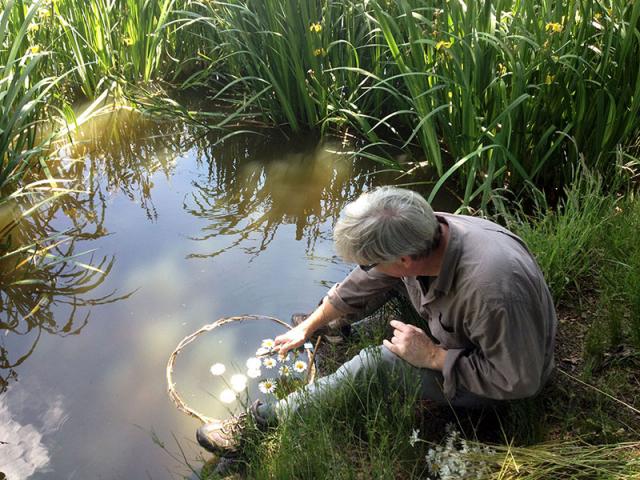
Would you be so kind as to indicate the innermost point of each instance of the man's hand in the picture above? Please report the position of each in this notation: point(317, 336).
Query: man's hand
point(414, 346)
point(291, 339)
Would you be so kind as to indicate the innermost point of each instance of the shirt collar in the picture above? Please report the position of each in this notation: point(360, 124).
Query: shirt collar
point(443, 282)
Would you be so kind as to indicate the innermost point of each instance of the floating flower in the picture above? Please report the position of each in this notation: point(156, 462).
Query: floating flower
point(35, 49)
point(268, 343)
point(299, 366)
point(238, 382)
point(217, 369)
point(267, 386)
point(284, 371)
point(442, 44)
point(319, 52)
point(315, 27)
point(269, 362)
point(413, 439)
point(227, 396)
point(554, 27)
point(253, 363)
point(128, 41)
point(254, 373)
point(549, 79)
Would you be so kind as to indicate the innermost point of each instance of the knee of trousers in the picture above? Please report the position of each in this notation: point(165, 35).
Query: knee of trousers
point(374, 358)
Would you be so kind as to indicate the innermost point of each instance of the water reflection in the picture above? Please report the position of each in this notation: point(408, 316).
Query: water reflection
point(243, 192)
point(121, 152)
point(255, 186)
point(22, 448)
point(263, 202)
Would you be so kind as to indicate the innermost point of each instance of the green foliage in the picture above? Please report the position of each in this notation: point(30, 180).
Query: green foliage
point(623, 271)
point(489, 94)
point(567, 241)
point(364, 426)
point(22, 97)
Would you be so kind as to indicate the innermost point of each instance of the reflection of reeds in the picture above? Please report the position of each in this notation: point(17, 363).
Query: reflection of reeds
point(39, 276)
point(246, 196)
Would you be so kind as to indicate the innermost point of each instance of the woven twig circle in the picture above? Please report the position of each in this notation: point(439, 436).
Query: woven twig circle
point(171, 386)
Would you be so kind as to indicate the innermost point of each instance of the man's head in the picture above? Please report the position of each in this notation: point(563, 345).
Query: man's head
point(385, 224)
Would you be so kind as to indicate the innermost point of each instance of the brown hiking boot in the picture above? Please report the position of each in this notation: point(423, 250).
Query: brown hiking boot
point(226, 436)
point(222, 437)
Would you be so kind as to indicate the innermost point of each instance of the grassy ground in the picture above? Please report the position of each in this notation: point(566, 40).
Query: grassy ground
point(586, 422)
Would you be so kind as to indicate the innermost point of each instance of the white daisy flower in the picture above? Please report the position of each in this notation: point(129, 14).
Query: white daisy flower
point(227, 396)
point(284, 371)
point(267, 386)
point(299, 366)
point(217, 369)
point(268, 343)
point(254, 373)
point(253, 363)
point(269, 362)
point(238, 382)
point(284, 359)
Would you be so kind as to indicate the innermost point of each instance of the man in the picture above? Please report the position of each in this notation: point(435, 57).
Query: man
point(490, 316)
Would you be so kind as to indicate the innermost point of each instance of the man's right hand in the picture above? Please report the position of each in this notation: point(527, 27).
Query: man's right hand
point(296, 337)
point(291, 339)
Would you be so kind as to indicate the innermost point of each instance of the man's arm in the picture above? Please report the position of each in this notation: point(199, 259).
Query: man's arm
point(321, 316)
point(359, 293)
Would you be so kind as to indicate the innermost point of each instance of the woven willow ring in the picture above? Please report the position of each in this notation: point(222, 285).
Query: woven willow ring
point(171, 387)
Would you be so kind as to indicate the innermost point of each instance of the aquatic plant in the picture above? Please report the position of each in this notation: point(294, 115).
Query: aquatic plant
point(486, 95)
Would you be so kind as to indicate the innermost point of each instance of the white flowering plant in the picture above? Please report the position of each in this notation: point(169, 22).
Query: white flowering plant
point(276, 375)
point(455, 459)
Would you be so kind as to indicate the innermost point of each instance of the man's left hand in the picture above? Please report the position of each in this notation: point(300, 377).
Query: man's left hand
point(414, 346)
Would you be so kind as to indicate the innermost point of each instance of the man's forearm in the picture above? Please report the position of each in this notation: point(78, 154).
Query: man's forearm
point(321, 316)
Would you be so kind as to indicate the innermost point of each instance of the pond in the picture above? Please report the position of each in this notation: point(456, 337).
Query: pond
point(187, 231)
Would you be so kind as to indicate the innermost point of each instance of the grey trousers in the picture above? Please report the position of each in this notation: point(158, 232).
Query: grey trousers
point(368, 364)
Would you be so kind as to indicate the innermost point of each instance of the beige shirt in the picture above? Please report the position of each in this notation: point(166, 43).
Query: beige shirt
point(489, 307)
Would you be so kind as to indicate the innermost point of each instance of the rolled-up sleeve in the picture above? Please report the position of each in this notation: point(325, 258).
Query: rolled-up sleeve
point(362, 292)
point(508, 362)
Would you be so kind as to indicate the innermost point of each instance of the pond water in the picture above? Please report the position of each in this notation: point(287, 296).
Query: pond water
point(186, 232)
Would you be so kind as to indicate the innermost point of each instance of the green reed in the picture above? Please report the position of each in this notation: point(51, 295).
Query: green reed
point(485, 94)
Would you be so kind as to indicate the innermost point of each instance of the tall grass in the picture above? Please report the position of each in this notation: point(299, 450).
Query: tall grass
point(567, 240)
point(485, 94)
point(22, 96)
point(482, 95)
point(362, 427)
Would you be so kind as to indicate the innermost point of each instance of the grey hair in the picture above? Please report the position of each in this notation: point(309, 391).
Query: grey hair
point(385, 224)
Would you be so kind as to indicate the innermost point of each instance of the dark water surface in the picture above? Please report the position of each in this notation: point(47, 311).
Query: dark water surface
point(186, 233)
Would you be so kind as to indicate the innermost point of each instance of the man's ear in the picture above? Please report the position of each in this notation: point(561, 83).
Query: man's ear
point(406, 260)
